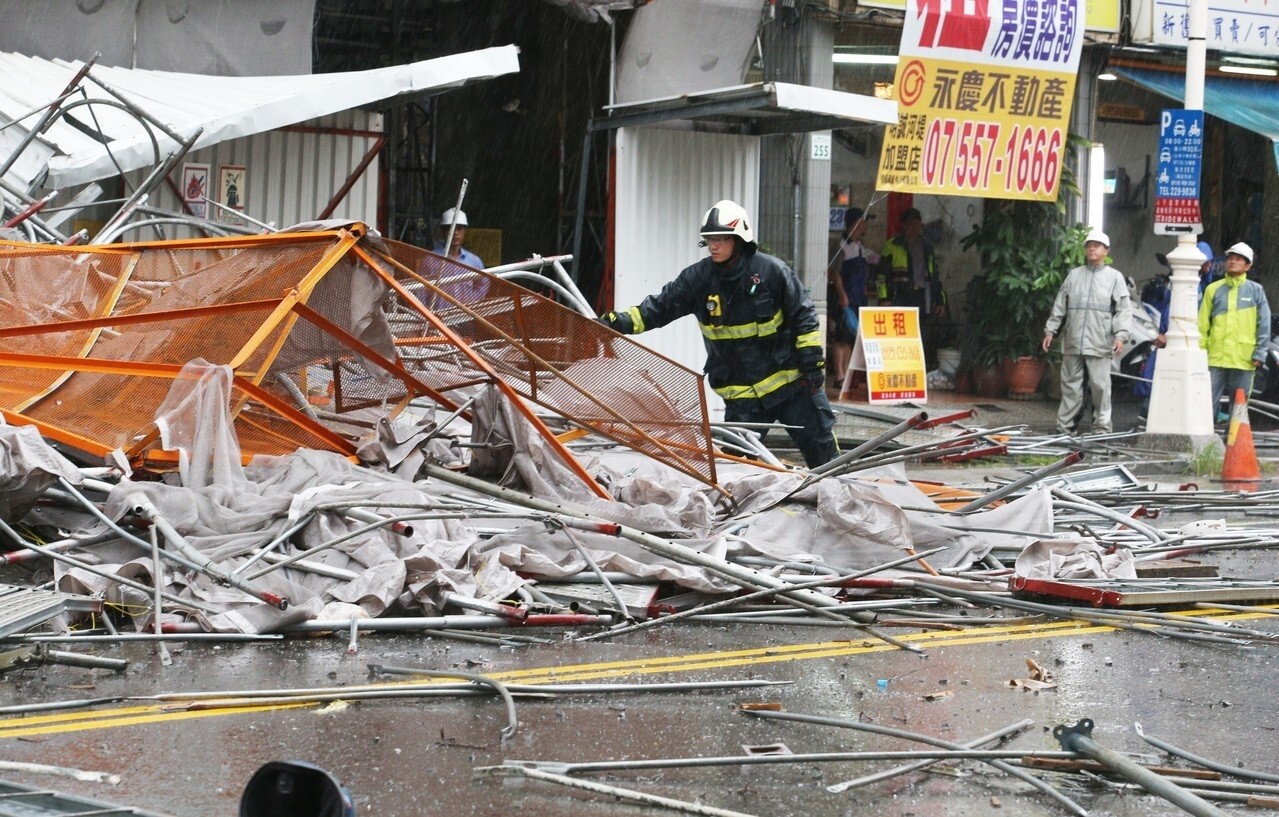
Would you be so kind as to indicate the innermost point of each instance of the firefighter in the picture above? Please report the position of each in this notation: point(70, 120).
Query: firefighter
point(764, 350)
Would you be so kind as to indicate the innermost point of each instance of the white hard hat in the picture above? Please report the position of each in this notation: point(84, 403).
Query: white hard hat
point(446, 218)
point(1241, 249)
point(728, 218)
point(1099, 237)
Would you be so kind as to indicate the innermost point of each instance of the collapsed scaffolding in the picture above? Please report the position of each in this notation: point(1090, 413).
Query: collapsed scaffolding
point(96, 356)
point(312, 431)
point(256, 371)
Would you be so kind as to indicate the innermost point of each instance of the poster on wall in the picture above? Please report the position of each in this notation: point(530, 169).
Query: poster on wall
point(983, 98)
point(195, 186)
point(233, 187)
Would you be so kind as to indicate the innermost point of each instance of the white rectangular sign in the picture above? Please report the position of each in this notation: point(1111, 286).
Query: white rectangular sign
point(820, 143)
point(1234, 26)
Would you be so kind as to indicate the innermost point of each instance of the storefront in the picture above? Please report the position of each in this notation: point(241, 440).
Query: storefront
point(1239, 165)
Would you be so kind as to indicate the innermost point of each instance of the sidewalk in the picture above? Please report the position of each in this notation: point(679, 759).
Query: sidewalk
point(1038, 414)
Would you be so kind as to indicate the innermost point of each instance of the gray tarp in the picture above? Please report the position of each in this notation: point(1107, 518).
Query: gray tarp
point(28, 467)
point(1074, 559)
point(846, 524)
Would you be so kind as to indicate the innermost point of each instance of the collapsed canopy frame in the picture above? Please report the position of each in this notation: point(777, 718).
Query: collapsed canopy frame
point(92, 339)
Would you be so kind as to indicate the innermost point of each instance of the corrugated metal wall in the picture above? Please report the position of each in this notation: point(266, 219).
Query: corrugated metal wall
point(666, 180)
point(290, 175)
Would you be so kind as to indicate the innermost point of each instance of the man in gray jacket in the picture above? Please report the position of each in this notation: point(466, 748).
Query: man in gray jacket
point(1094, 305)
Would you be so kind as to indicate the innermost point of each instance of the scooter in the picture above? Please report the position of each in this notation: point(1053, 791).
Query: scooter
point(1265, 383)
point(1142, 333)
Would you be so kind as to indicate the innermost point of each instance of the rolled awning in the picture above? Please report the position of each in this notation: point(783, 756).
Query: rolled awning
point(1248, 103)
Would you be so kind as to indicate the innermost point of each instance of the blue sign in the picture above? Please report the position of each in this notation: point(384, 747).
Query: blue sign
point(1181, 139)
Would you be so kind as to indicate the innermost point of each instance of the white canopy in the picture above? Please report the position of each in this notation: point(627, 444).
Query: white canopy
point(102, 140)
point(759, 109)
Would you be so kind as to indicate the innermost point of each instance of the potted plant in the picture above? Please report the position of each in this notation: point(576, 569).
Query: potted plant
point(986, 353)
point(1026, 250)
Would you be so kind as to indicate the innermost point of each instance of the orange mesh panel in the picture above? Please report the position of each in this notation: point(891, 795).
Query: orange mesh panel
point(38, 287)
point(263, 431)
point(111, 409)
point(237, 284)
point(553, 356)
point(337, 335)
point(197, 277)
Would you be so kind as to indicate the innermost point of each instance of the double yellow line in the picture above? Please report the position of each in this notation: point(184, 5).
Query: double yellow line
point(131, 715)
point(79, 721)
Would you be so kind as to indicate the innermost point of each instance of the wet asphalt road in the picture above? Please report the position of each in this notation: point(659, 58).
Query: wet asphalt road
point(417, 757)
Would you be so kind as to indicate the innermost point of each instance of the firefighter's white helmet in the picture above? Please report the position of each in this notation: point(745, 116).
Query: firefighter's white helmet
point(728, 218)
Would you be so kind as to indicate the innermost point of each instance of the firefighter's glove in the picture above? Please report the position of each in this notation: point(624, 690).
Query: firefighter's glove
point(617, 321)
point(812, 368)
point(815, 381)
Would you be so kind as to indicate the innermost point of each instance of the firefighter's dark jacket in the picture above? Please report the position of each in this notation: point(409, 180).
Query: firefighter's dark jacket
point(763, 341)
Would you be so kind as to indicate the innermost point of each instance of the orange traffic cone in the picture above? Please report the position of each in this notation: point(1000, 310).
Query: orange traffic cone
point(1240, 469)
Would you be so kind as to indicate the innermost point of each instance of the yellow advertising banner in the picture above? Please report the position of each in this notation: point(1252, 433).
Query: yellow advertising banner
point(983, 95)
point(890, 344)
point(977, 130)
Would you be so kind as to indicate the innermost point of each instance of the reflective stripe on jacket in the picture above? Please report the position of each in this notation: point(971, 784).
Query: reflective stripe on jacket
point(1092, 310)
point(758, 324)
point(1234, 322)
point(901, 277)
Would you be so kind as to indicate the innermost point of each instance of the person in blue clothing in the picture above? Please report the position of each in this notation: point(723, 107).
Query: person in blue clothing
point(456, 251)
point(850, 276)
point(1163, 303)
point(466, 287)
point(1211, 269)
point(764, 351)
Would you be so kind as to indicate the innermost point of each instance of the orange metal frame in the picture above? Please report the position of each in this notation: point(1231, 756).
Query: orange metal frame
point(542, 429)
point(548, 366)
point(137, 318)
point(272, 329)
point(371, 355)
point(346, 240)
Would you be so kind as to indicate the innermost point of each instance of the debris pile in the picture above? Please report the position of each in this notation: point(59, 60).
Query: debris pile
point(227, 388)
point(247, 439)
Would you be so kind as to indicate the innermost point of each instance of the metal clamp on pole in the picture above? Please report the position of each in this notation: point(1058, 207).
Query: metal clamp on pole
point(1078, 738)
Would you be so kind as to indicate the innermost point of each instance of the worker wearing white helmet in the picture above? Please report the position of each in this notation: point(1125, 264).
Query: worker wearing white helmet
point(1093, 313)
point(464, 285)
point(764, 351)
point(1234, 326)
point(457, 220)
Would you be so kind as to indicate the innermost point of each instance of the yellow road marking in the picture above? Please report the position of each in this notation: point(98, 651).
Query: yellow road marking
point(695, 662)
point(112, 718)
